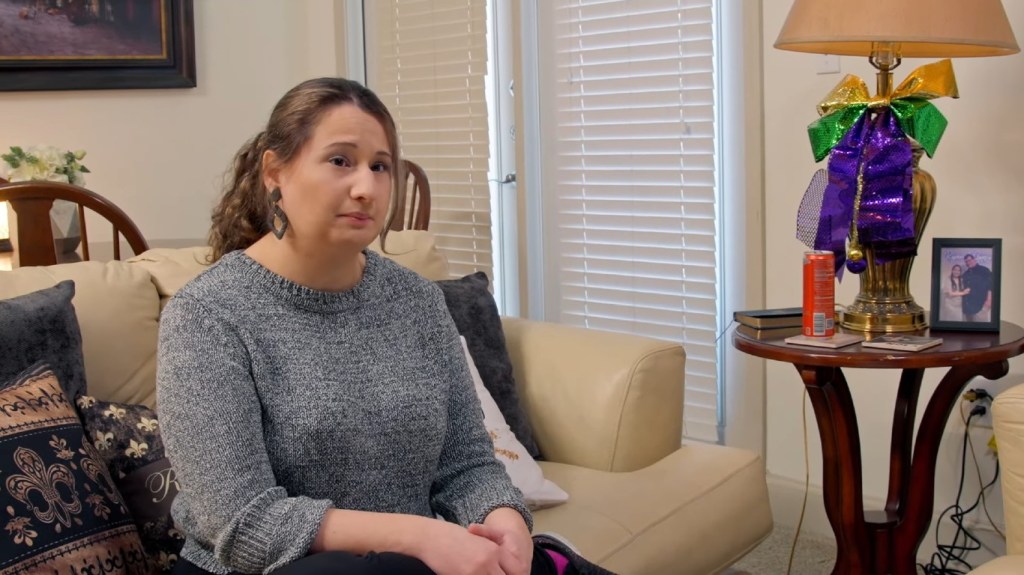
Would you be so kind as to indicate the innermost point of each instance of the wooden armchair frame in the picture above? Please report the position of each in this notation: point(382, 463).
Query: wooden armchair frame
point(412, 199)
point(32, 201)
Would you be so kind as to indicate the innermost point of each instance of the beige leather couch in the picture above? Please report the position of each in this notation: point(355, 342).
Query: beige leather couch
point(607, 410)
point(1008, 420)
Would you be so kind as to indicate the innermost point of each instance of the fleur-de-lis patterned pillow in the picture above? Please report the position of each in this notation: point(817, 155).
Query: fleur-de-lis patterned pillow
point(127, 438)
point(60, 510)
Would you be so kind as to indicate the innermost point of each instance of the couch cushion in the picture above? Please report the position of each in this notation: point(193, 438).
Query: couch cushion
point(117, 311)
point(663, 527)
point(41, 326)
point(127, 437)
point(172, 268)
point(62, 513)
point(472, 307)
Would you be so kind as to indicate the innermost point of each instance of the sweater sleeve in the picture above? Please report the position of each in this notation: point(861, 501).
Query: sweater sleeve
point(470, 481)
point(211, 422)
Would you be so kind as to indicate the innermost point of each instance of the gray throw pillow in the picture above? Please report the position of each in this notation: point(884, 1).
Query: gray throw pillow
point(472, 307)
point(42, 326)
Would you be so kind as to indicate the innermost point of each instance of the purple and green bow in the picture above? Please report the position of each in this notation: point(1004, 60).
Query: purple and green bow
point(870, 169)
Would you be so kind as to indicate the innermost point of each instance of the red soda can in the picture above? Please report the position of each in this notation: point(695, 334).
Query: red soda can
point(819, 293)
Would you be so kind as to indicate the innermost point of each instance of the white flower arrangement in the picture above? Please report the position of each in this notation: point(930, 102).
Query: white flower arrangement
point(46, 163)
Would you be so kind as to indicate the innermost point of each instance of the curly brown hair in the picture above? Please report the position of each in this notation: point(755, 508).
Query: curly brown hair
point(242, 215)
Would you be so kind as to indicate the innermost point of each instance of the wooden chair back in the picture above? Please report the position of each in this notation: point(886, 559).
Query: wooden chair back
point(32, 201)
point(412, 198)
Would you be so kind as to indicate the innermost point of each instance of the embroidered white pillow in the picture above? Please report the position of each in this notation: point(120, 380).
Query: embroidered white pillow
point(524, 471)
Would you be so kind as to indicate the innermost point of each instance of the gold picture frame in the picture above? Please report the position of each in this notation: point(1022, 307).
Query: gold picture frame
point(96, 44)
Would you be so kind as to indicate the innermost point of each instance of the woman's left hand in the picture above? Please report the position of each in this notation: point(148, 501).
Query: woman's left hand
point(506, 527)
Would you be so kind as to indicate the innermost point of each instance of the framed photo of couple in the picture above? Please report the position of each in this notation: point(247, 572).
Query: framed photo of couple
point(965, 284)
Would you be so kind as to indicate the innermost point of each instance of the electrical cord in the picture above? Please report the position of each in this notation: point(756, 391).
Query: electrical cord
point(947, 558)
point(723, 332)
point(977, 470)
point(807, 485)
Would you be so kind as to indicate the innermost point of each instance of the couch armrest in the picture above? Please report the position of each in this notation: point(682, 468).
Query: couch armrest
point(602, 400)
point(1008, 420)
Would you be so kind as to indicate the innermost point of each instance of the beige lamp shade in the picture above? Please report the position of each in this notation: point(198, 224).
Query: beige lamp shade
point(921, 28)
point(5, 232)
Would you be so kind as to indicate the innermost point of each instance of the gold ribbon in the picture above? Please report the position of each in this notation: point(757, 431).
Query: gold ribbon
point(935, 80)
point(918, 118)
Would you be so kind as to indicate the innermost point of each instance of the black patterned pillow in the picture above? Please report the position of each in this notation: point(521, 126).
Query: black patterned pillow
point(127, 438)
point(42, 326)
point(60, 512)
point(472, 307)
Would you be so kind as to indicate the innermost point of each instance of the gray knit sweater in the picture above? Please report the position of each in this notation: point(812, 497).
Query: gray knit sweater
point(278, 401)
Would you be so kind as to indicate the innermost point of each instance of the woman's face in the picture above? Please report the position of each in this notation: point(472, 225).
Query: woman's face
point(336, 190)
point(956, 271)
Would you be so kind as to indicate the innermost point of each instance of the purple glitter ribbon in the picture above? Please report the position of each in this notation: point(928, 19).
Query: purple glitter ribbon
point(886, 219)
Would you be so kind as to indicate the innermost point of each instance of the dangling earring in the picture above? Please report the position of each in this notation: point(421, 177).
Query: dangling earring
point(277, 214)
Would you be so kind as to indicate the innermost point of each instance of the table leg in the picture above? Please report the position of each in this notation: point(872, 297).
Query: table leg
point(840, 449)
point(901, 448)
point(888, 544)
point(903, 438)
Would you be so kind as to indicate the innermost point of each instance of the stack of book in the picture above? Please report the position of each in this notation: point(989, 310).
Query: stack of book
point(769, 323)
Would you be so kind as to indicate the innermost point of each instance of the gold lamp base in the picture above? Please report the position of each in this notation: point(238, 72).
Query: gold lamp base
point(884, 304)
point(884, 317)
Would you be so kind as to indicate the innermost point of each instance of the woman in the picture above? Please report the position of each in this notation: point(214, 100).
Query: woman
point(953, 295)
point(314, 397)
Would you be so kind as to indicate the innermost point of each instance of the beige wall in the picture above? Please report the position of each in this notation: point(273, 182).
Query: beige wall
point(160, 154)
point(979, 173)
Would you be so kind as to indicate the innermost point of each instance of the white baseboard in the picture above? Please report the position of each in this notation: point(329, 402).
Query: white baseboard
point(787, 497)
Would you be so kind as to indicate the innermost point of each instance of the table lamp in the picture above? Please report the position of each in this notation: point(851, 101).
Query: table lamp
point(874, 200)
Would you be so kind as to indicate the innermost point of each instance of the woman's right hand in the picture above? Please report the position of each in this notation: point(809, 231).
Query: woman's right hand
point(450, 549)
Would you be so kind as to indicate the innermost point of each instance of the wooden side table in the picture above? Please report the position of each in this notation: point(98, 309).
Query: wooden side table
point(886, 541)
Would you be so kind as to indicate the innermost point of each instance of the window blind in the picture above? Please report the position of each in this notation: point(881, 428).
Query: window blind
point(427, 60)
point(629, 178)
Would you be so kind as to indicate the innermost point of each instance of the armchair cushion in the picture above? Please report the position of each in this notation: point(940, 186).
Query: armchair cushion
point(476, 316)
point(694, 512)
point(42, 326)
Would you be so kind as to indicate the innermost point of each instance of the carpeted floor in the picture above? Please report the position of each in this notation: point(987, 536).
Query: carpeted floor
point(815, 555)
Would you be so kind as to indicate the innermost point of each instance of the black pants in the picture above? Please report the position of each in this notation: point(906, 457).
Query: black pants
point(342, 563)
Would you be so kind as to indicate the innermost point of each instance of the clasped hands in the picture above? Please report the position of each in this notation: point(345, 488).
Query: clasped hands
point(501, 545)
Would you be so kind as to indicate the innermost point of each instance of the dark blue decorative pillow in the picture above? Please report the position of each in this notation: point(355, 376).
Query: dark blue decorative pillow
point(60, 512)
point(127, 438)
point(42, 326)
point(472, 307)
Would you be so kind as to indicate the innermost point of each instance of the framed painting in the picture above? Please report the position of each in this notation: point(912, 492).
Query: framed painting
point(96, 44)
point(965, 284)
